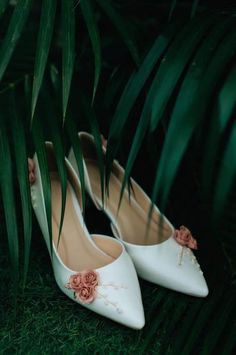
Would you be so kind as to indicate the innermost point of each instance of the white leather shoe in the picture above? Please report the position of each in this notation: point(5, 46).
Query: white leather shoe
point(94, 271)
point(161, 254)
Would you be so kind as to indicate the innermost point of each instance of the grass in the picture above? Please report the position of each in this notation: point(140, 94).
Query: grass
point(47, 322)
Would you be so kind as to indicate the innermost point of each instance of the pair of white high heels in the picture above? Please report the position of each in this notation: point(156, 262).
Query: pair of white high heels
point(100, 272)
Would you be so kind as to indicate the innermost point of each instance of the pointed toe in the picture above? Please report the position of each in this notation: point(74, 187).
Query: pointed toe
point(169, 265)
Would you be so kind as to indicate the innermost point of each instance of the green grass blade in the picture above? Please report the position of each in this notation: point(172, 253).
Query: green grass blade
point(163, 311)
point(206, 312)
point(40, 148)
point(43, 45)
point(194, 8)
point(172, 9)
point(75, 143)
point(122, 27)
point(68, 50)
point(186, 323)
point(132, 91)
point(91, 23)
point(8, 199)
point(226, 175)
point(21, 162)
point(169, 327)
point(174, 63)
point(218, 325)
point(229, 343)
point(188, 121)
point(14, 31)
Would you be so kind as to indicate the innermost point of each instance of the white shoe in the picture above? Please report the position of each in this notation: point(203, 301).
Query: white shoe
point(94, 271)
point(161, 254)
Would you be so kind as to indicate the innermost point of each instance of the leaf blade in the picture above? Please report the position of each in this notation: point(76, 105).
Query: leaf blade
point(131, 92)
point(91, 23)
point(19, 145)
point(121, 27)
point(43, 45)
point(14, 31)
point(39, 143)
point(68, 50)
point(167, 168)
point(7, 191)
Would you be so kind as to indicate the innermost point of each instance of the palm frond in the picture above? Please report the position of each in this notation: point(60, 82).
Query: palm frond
point(39, 143)
point(68, 50)
point(20, 158)
point(8, 200)
point(44, 41)
point(91, 23)
point(226, 175)
point(132, 91)
point(122, 27)
point(14, 31)
point(194, 8)
point(190, 118)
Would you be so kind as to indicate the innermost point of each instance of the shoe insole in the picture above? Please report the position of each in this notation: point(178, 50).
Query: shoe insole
point(131, 218)
point(75, 250)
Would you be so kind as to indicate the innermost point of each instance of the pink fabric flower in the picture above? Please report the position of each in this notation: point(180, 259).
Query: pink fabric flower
point(84, 285)
point(86, 294)
point(31, 168)
point(90, 278)
point(75, 282)
point(184, 237)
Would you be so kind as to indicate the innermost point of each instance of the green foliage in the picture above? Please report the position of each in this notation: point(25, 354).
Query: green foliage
point(172, 77)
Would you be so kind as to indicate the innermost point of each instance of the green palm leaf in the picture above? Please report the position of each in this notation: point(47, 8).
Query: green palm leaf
point(68, 50)
point(194, 8)
point(39, 143)
point(19, 145)
point(172, 9)
point(91, 23)
point(174, 63)
point(144, 119)
point(122, 27)
point(43, 45)
point(14, 31)
point(131, 93)
point(52, 122)
point(226, 175)
point(8, 199)
point(221, 116)
point(189, 120)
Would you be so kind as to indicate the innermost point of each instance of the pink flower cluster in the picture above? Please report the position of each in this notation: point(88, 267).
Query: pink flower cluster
point(84, 285)
point(184, 237)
